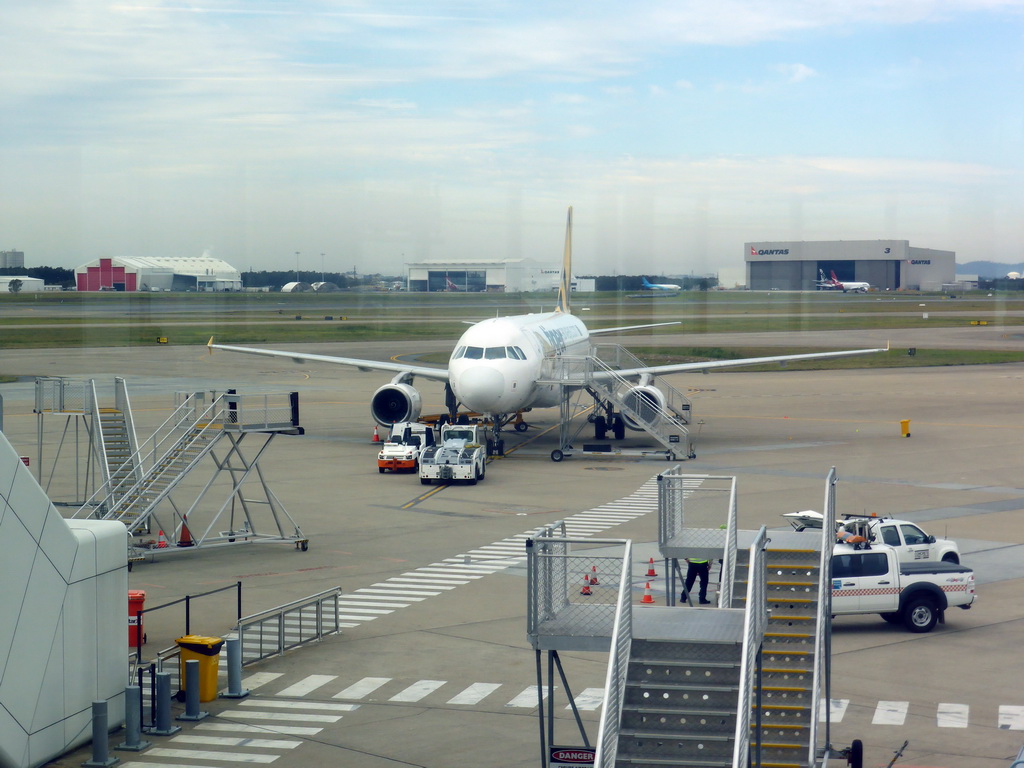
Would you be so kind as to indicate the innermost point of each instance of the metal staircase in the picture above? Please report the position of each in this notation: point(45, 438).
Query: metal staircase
point(643, 403)
point(197, 433)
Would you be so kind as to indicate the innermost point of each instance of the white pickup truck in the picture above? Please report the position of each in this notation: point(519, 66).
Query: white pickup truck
point(909, 540)
point(871, 579)
point(459, 456)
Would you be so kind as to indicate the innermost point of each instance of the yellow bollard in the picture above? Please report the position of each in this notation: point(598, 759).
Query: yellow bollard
point(904, 427)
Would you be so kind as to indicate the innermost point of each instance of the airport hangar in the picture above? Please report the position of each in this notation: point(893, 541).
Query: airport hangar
point(158, 273)
point(888, 265)
point(492, 275)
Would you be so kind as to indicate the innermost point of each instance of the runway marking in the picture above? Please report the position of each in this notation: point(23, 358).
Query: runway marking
point(528, 698)
point(952, 716)
point(199, 754)
point(418, 690)
point(363, 688)
point(835, 709)
point(306, 685)
point(1011, 717)
point(890, 713)
point(474, 694)
point(589, 699)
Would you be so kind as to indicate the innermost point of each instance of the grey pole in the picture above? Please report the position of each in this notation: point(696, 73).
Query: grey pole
point(235, 690)
point(163, 706)
point(133, 721)
point(100, 753)
point(192, 692)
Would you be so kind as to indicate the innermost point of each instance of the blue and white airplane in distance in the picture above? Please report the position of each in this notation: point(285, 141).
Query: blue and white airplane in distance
point(649, 286)
point(503, 366)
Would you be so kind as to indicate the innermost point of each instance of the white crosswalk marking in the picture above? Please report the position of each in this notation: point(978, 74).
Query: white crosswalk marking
point(952, 715)
point(418, 690)
point(890, 713)
point(258, 679)
point(279, 704)
point(528, 698)
point(836, 709)
point(301, 717)
point(589, 700)
point(307, 685)
point(363, 688)
point(199, 754)
point(474, 694)
point(265, 730)
point(383, 587)
point(1011, 717)
point(236, 741)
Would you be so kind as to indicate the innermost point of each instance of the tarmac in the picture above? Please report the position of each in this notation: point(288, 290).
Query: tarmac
point(441, 673)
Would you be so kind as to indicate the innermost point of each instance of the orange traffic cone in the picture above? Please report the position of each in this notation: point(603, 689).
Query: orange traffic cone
point(586, 586)
point(650, 569)
point(593, 575)
point(376, 435)
point(185, 537)
point(648, 598)
point(161, 541)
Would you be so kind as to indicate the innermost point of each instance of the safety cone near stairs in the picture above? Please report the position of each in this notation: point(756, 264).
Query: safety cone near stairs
point(376, 435)
point(650, 569)
point(161, 541)
point(185, 538)
point(586, 586)
point(648, 597)
point(593, 575)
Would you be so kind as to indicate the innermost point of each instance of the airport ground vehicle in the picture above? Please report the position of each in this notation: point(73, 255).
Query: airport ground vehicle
point(869, 578)
point(460, 455)
point(910, 541)
point(401, 451)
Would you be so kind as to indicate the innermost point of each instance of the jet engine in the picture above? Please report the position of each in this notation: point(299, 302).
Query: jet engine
point(648, 402)
point(395, 402)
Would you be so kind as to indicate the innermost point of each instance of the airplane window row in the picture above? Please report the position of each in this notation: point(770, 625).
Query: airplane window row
point(490, 353)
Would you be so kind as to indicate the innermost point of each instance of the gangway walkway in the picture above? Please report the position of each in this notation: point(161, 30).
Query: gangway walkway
point(155, 499)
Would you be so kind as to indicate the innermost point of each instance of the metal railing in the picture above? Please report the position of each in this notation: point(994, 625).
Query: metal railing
point(754, 624)
point(821, 687)
point(618, 669)
point(276, 630)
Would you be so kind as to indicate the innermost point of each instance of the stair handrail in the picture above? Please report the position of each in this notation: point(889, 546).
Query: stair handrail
point(755, 622)
point(166, 463)
point(99, 448)
point(618, 668)
point(821, 684)
point(123, 403)
point(144, 458)
point(727, 576)
point(621, 381)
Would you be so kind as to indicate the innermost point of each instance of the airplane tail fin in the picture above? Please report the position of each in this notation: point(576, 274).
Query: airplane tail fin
point(565, 283)
point(647, 283)
point(834, 278)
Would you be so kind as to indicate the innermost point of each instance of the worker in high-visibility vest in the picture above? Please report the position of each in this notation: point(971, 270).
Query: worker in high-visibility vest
point(698, 568)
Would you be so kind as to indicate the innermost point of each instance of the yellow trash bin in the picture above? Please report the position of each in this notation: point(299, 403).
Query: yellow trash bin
point(205, 650)
point(905, 427)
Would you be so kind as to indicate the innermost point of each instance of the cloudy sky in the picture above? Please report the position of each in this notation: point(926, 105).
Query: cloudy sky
point(376, 133)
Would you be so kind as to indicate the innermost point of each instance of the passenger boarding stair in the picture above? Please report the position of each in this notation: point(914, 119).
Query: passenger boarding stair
point(156, 500)
point(647, 404)
point(118, 448)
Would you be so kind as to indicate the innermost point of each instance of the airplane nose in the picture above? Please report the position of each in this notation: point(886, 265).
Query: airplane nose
point(480, 389)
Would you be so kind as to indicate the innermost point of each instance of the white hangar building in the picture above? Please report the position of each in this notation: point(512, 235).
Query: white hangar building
point(888, 265)
point(497, 275)
point(158, 273)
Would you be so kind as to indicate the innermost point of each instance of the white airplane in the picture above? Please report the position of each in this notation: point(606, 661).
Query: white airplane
point(848, 285)
point(505, 365)
point(648, 286)
point(824, 283)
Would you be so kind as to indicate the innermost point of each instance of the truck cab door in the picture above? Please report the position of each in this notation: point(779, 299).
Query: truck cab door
point(845, 594)
point(916, 543)
point(877, 584)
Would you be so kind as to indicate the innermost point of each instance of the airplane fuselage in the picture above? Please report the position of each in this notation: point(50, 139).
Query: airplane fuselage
point(498, 364)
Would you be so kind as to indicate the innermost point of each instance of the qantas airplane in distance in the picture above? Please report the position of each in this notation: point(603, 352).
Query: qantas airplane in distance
point(648, 286)
point(849, 285)
point(505, 365)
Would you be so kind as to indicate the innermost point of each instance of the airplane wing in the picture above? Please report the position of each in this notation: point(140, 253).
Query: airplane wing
point(440, 374)
point(657, 370)
point(605, 331)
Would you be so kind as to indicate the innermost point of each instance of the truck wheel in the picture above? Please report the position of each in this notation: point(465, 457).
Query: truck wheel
point(950, 557)
point(425, 481)
point(483, 471)
point(920, 615)
point(857, 754)
point(556, 455)
point(892, 618)
point(381, 470)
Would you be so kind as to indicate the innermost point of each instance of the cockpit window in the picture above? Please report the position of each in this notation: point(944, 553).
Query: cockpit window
point(474, 353)
point(494, 353)
point(516, 353)
point(458, 353)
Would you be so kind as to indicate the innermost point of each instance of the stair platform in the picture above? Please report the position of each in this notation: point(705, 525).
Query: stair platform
point(688, 625)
